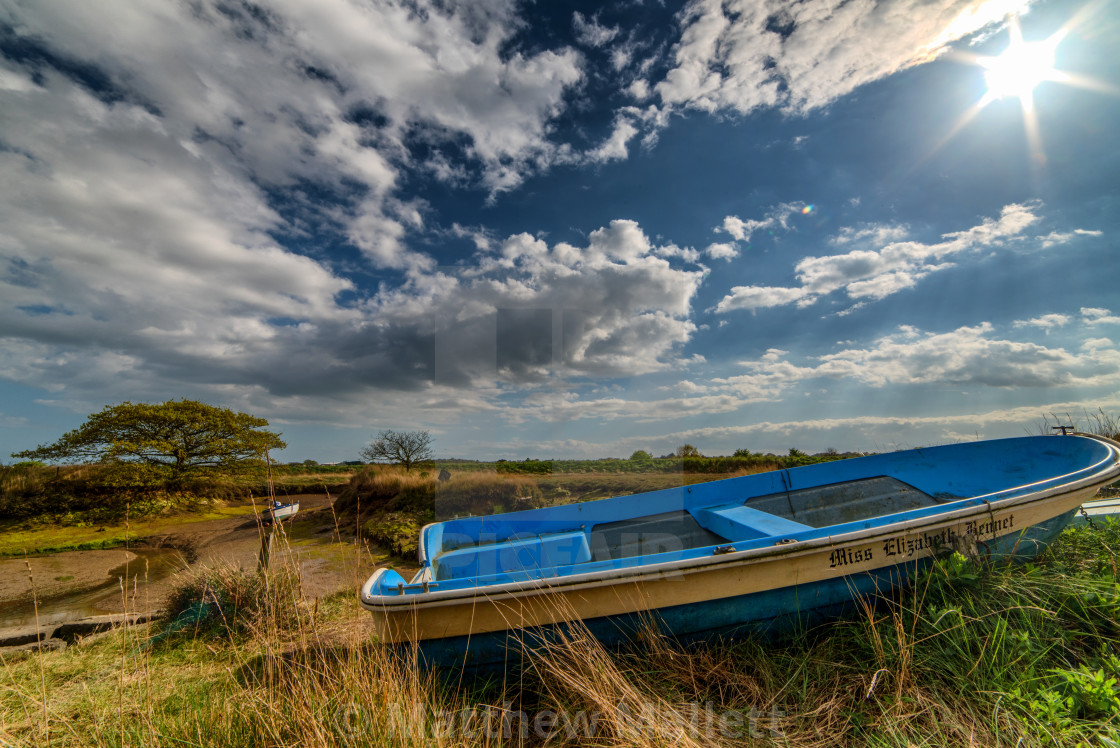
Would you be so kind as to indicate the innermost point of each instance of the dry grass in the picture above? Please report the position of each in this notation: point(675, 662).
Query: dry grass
point(970, 656)
point(486, 493)
point(280, 671)
point(1100, 423)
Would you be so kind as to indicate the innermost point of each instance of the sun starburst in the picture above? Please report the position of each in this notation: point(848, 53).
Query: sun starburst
point(1016, 73)
point(1021, 67)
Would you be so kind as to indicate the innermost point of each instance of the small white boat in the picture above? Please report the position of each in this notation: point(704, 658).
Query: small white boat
point(279, 512)
point(759, 552)
point(1101, 511)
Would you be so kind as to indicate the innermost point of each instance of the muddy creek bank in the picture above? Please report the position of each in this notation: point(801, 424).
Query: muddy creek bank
point(77, 584)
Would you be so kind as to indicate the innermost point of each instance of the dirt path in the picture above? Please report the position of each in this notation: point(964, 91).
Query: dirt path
point(237, 539)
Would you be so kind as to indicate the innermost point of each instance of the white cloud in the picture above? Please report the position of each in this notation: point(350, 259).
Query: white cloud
point(1046, 322)
point(880, 432)
point(722, 251)
point(740, 55)
point(1055, 238)
point(557, 407)
point(873, 431)
point(1098, 344)
point(740, 229)
point(638, 90)
point(688, 254)
point(870, 234)
point(590, 32)
point(876, 273)
point(971, 356)
point(965, 356)
point(14, 422)
point(758, 297)
point(1098, 316)
point(156, 231)
point(777, 217)
point(295, 98)
point(614, 148)
point(526, 312)
point(482, 239)
point(141, 214)
point(613, 307)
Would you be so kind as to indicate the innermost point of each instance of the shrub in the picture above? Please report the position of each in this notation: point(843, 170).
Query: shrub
point(232, 600)
point(396, 532)
point(486, 493)
point(383, 488)
point(392, 505)
point(389, 489)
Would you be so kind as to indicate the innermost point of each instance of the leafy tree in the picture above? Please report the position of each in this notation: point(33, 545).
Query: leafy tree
point(641, 454)
point(687, 450)
point(402, 447)
point(181, 436)
point(797, 457)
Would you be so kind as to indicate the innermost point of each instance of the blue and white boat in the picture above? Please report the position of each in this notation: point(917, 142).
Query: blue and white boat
point(759, 551)
point(280, 511)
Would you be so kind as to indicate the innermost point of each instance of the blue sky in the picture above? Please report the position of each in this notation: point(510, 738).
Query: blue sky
point(562, 229)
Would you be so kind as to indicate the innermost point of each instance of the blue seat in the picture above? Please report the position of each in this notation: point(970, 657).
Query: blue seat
point(738, 522)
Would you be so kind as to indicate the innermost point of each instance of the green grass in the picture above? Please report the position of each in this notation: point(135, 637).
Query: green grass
point(991, 655)
point(39, 537)
point(742, 461)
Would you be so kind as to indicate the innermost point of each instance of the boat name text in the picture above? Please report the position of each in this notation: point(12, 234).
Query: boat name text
point(908, 546)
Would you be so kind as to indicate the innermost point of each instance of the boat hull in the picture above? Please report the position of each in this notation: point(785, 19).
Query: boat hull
point(762, 589)
point(279, 514)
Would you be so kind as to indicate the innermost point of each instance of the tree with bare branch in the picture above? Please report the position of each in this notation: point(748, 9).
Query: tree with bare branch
point(400, 447)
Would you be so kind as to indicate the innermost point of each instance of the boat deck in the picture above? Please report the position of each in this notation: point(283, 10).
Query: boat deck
point(768, 518)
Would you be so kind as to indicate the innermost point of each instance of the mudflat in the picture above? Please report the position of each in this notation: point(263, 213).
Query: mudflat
point(58, 574)
point(138, 579)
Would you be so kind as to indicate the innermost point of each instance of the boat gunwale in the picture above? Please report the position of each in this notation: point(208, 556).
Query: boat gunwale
point(981, 504)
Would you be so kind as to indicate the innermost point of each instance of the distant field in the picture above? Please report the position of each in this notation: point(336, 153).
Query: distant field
point(573, 480)
point(101, 493)
point(560, 488)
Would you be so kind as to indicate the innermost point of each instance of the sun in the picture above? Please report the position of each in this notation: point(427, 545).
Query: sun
point(1017, 72)
point(1021, 67)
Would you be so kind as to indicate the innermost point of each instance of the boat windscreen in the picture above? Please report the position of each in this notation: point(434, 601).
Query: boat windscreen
point(851, 501)
point(654, 533)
